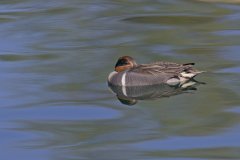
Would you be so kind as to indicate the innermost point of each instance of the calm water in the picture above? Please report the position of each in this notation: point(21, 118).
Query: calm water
point(54, 60)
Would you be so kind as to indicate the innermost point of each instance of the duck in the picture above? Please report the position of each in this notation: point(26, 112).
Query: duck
point(128, 73)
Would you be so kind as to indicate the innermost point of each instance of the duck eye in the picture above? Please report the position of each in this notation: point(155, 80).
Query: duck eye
point(122, 62)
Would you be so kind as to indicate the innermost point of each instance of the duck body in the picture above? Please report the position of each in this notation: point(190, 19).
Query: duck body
point(129, 73)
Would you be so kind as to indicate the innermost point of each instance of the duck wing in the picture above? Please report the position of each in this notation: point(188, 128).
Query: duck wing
point(160, 68)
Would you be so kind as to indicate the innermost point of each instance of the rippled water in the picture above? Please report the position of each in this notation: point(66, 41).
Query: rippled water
point(54, 60)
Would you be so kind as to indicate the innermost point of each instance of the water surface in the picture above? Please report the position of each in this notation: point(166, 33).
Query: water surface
point(55, 57)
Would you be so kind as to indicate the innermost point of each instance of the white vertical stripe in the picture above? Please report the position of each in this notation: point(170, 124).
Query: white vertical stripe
point(124, 91)
point(123, 79)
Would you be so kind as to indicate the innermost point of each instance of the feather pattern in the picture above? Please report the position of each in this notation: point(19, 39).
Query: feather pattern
point(157, 68)
point(133, 74)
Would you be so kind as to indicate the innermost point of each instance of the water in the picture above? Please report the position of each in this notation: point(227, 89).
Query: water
point(55, 57)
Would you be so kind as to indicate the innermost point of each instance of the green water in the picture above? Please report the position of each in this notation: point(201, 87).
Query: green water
point(55, 57)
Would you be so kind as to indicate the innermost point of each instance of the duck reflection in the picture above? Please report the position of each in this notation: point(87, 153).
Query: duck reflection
point(130, 95)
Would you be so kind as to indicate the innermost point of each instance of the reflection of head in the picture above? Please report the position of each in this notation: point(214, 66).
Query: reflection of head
point(126, 101)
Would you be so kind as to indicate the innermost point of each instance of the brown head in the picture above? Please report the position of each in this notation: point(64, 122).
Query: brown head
point(124, 63)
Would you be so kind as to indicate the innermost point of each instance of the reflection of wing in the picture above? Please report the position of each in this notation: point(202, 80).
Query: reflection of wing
point(130, 95)
point(157, 68)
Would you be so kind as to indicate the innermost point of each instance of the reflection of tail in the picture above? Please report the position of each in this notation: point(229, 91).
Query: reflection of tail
point(198, 82)
point(191, 84)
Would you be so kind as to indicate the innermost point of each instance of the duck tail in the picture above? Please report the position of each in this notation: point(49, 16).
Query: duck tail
point(188, 64)
point(191, 73)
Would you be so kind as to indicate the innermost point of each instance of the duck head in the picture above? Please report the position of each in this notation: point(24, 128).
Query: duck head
point(125, 63)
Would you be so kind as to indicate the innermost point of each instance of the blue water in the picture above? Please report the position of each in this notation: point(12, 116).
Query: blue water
point(55, 57)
